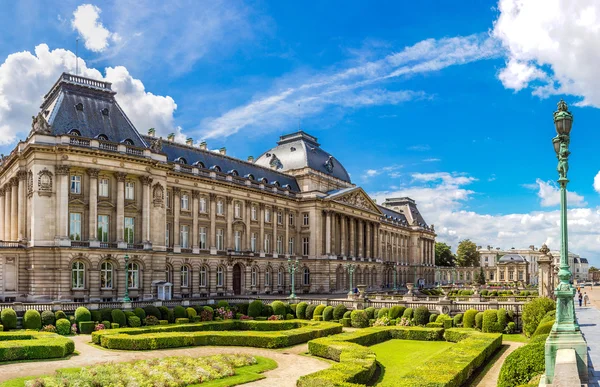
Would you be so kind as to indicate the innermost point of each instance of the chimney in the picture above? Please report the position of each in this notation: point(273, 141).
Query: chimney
point(250, 159)
point(151, 132)
point(223, 151)
point(203, 145)
point(171, 137)
point(189, 141)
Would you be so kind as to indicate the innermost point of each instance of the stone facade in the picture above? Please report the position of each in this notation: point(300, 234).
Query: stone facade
point(85, 191)
point(510, 268)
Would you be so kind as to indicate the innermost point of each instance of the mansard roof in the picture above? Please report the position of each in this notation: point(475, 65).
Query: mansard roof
point(392, 215)
point(87, 107)
point(415, 214)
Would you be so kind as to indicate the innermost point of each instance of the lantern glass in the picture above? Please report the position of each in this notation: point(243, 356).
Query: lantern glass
point(556, 144)
point(563, 125)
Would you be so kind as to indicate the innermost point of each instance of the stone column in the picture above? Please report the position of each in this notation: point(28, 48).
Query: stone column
point(261, 241)
point(62, 203)
point(176, 217)
point(361, 240)
point(274, 223)
point(93, 205)
point(2, 228)
point(343, 235)
point(121, 206)
point(14, 209)
point(248, 220)
point(327, 232)
point(368, 253)
point(352, 249)
point(377, 243)
point(146, 183)
point(213, 223)
point(286, 220)
point(195, 230)
point(229, 217)
point(22, 221)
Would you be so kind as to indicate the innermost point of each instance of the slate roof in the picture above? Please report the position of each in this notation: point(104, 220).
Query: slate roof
point(507, 258)
point(393, 215)
point(414, 211)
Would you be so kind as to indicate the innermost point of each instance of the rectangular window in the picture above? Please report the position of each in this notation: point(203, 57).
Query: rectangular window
point(305, 219)
point(103, 187)
point(167, 239)
point(279, 217)
point(203, 237)
point(129, 229)
point(237, 210)
point(267, 215)
point(238, 241)
point(502, 275)
point(253, 242)
point(220, 207)
point(103, 228)
point(76, 184)
point(75, 226)
point(220, 239)
point(521, 275)
point(279, 244)
point(129, 190)
point(219, 276)
point(168, 199)
point(291, 218)
point(305, 246)
point(253, 212)
point(185, 203)
point(267, 246)
point(183, 236)
point(203, 277)
point(202, 205)
point(291, 246)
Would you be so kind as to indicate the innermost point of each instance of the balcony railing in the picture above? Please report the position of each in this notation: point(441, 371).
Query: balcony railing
point(108, 146)
point(134, 151)
point(10, 244)
point(79, 141)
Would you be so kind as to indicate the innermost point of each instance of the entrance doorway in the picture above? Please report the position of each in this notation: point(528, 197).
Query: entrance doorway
point(237, 279)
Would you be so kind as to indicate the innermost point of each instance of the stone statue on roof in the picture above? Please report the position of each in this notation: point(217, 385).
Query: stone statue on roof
point(156, 145)
point(39, 125)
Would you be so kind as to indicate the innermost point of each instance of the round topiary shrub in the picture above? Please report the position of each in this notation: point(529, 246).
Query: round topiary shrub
point(544, 328)
point(243, 308)
point(442, 317)
point(152, 310)
point(96, 316)
point(328, 313)
point(139, 312)
point(191, 312)
point(408, 313)
point(63, 327)
point(511, 327)
point(339, 311)
point(534, 311)
point(255, 308)
point(469, 318)
point(164, 313)
point(359, 319)
point(48, 318)
point(134, 322)
point(179, 312)
point(479, 320)
point(432, 317)
point(421, 315)
point(523, 364)
point(458, 319)
point(223, 304)
point(118, 317)
point(106, 315)
point(301, 310)
point(279, 308)
point(383, 312)
point(82, 314)
point(370, 311)
point(151, 320)
point(32, 320)
point(267, 311)
point(396, 311)
point(502, 318)
point(319, 310)
point(490, 322)
point(60, 314)
point(347, 314)
point(310, 310)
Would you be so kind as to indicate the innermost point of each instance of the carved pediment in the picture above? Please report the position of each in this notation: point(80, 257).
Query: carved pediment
point(359, 199)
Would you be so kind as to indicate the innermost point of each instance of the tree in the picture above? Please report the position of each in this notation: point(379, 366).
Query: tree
point(443, 255)
point(467, 254)
point(481, 277)
point(592, 269)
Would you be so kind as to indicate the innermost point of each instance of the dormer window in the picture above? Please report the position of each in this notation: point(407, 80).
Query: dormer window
point(102, 137)
point(249, 176)
point(215, 168)
point(79, 107)
point(233, 172)
point(275, 183)
point(74, 132)
point(104, 112)
point(128, 141)
point(199, 164)
point(180, 160)
point(264, 180)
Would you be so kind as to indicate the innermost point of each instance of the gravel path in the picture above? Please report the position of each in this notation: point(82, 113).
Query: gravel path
point(291, 364)
point(490, 378)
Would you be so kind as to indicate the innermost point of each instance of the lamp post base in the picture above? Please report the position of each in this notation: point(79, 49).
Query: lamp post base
point(566, 340)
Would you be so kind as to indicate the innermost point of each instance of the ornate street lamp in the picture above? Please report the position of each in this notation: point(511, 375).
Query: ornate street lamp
point(565, 332)
point(350, 267)
point(126, 297)
point(396, 277)
point(292, 267)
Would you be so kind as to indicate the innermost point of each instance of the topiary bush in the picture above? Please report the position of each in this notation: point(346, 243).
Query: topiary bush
point(301, 310)
point(458, 319)
point(134, 322)
point(370, 311)
point(223, 304)
point(243, 307)
point(164, 313)
point(96, 316)
point(432, 317)
point(408, 313)
point(60, 314)
point(511, 327)
point(139, 312)
point(279, 308)
point(383, 312)
point(255, 308)
point(534, 311)
point(347, 314)
point(48, 318)
point(118, 317)
point(359, 319)
point(490, 322)
point(152, 310)
point(267, 311)
point(479, 320)
point(191, 313)
point(339, 311)
point(544, 328)
point(469, 318)
point(502, 319)
point(523, 364)
point(86, 327)
point(63, 327)
point(106, 314)
point(179, 312)
point(32, 320)
point(310, 310)
point(319, 310)
point(82, 314)
point(171, 316)
point(328, 313)
point(396, 312)
point(151, 320)
point(421, 315)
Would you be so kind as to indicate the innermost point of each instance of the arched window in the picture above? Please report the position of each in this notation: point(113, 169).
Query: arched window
point(133, 280)
point(249, 176)
point(106, 275)
point(78, 275)
point(203, 276)
point(253, 276)
point(128, 141)
point(199, 164)
point(264, 180)
point(280, 276)
point(220, 279)
point(180, 160)
point(306, 277)
point(102, 137)
point(233, 172)
point(215, 168)
point(268, 277)
point(275, 183)
point(74, 132)
point(185, 276)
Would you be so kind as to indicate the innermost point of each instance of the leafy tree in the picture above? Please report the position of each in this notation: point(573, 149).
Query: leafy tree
point(481, 277)
point(443, 255)
point(593, 268)
point(467, 254)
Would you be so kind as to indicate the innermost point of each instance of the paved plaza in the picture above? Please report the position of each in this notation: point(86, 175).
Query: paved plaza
point(589, 321)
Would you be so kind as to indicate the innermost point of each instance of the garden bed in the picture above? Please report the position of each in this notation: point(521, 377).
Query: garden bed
point(262, 334)
point(29, 345)
point(357, 363)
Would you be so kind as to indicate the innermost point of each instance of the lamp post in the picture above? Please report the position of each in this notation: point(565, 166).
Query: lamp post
point(565, 332)
point(126, 297)
point(396, 277)
point(350, 267)
point(292, 267)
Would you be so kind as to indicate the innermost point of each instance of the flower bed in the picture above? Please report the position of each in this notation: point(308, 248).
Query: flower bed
point(245, 333)
point(357, 363)
point(28, 345)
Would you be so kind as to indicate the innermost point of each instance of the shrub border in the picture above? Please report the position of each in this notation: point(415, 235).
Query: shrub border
point(357, 363)
point(29, 345)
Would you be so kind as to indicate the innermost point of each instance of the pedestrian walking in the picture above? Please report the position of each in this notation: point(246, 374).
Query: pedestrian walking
point(586, 299)
point(580, 299)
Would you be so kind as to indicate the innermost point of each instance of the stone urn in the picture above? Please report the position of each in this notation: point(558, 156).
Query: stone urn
point(476, 290)
point(410, 286)
point(362, 291)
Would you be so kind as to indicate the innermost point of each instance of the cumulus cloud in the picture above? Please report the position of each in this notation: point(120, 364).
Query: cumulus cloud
point(25, 77)
point(597, 182)
point(551, 46)
point(86, 21)
point(549, 193)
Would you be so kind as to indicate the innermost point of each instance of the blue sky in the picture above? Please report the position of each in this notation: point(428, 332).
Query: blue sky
point(450, 105)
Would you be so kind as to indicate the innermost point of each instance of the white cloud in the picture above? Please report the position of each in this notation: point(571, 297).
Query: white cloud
point(390, 170)
point(597, 182)
point(450, 179)
point(553, 43)
point(86, 22)
point(353, 87)
point(25, 77)
point(549, 193)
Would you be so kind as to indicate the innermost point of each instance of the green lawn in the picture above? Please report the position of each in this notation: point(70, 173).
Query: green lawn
point(242, 375)
point(397, 357)
point(518, 337)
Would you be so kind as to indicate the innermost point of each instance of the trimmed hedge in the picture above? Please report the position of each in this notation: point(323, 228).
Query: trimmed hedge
point(96, 315)
point(32, 320)
point(396, 311)
point(458, 319)
point(63, 327)
point(249, 333)
point(310, 310)
point(524, 363)
point(164, 313)
point(359, 319)
point(370, 312)
point(106, 314)
point(152, 310)
point(140, 313)
point(328, 313)
point(534, 311)
point(60, 314)
point(134, 321)
point(301, 310)
point(33, 345)
point(48, 318)
point(469, 318)
point(87, 327)
point(383, 312)
point(255, 308)
point(279, 308)
point(182, 320)
point(82, 314)
point(9, 318)
point(421, 315)
point(118, 317)
point(339, 311)
point(319, 310)
point(544, 328)
point(432, 317)
point(191, 313)
point(179, 312)
point(479, 320)
point(490, 322)
point(408, 313)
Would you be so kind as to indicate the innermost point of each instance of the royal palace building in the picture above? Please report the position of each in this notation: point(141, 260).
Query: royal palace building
point(86, 195)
